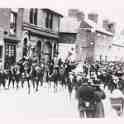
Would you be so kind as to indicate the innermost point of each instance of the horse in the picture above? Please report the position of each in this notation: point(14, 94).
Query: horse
point(26, 74)
point(37, 76)
point(3, 78)
point(62, 75)
point(11, 75)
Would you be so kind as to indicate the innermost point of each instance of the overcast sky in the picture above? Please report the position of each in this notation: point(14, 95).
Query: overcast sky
point(111, 9)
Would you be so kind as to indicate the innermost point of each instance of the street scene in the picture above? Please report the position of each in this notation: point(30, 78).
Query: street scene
point(60, 66)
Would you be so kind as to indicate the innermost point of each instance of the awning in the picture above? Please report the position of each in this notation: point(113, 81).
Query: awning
point(12, 39)
point(38, 31)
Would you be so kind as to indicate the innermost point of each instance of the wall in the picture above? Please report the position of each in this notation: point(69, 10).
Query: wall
point(83, 48)
point(81, 43)
point(102, 46)
point(55, 23)
point(64, 49)
point(26, 15)
point(4, 18)
point(4, 26)
point(117, 53)
point(41, 18)
point(67, 38)
point(19, 23)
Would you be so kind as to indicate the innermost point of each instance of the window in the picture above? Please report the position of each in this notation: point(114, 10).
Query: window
point(1, 49)
point(13, 22)
point(49, 20)
point(33, 16)
point(100, 58)
point(10, 54)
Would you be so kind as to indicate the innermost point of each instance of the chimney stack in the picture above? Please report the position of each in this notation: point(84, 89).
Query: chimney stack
point(80, 16)
point(93, 17)
point(75, 13)
point(105, 24)
point(109, 26)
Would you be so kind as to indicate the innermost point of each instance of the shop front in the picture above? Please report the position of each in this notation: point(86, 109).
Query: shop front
point(43, 48)
point(10, 52)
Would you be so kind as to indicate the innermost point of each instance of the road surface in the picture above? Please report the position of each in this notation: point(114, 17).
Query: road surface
point(44, 104)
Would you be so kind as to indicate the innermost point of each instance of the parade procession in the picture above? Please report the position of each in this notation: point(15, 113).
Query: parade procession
point(44, 51)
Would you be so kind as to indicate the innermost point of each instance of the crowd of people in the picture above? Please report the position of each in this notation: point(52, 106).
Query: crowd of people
point(31, 73)
point(64, 72)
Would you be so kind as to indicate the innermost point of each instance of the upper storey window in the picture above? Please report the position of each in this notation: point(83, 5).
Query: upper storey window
point(33, 16)
point(49, 20)
point(13, 21)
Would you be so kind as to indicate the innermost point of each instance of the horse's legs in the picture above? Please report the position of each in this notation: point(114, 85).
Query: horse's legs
point(47, 77)
point(28, 83)
point(37, 84)
point(17, 83)
point(41, 80)
point(33, 82)
point(28, 86)
point(22, 83)
point(13, 81)
point(55, 85)
point(9, 81)
point(4, 83)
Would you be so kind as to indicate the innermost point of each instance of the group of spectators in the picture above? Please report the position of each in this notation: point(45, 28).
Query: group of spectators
point(111, 74)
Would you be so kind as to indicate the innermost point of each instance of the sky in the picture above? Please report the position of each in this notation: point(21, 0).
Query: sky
point(110, 9)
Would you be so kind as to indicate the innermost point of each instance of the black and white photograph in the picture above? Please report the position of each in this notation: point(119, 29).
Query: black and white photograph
point(62, 60)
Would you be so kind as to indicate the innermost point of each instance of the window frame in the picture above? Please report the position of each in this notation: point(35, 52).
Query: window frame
point(49, 20)
point(14, 22)
point(33, 15)
point(1, 52)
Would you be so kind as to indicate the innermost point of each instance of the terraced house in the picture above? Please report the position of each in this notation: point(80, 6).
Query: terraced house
point(28, 32)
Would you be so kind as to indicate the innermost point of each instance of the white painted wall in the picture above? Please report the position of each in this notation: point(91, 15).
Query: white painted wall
point(64, 49)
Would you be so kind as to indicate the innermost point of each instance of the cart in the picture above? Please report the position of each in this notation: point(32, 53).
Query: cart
point(118, 105)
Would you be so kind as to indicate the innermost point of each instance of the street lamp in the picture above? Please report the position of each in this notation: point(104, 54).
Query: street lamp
point(92, 43)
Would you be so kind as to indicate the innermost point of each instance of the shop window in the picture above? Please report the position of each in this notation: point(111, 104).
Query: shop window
point(13, 22)
point(33, 16)
point(10, 54)
point(49, 20)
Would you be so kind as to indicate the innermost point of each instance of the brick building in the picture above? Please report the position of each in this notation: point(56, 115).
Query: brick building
point(93, 41)
point(10, 26)
point(41, 33)
point(68, 33)
point(28, 32)
point(117, 48)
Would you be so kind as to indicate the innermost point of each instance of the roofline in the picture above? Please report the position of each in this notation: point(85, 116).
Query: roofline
point(51, 11)
point(117, 45)
point(68, 32)
point(105, 33)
